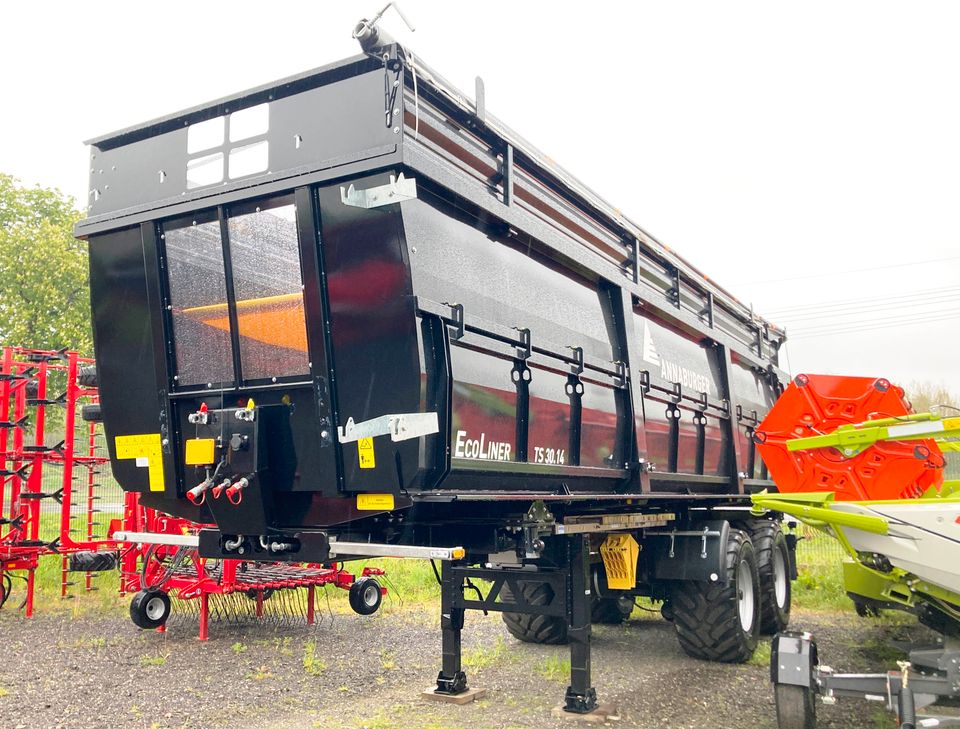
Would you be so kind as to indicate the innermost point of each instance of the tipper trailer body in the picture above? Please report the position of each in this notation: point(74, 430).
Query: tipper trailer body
point(351, 313)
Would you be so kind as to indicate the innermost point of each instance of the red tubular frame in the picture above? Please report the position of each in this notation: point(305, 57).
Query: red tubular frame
point(20, 545)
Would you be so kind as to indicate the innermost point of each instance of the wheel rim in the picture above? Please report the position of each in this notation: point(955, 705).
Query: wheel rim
point(745, 596)
point(370, 595)
point(155, 608)
point(780, 579)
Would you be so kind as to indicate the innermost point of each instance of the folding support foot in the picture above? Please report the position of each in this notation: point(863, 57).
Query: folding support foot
point(455, 684)
point(580, 703)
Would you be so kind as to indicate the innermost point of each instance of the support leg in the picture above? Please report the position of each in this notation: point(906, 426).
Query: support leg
point(581, 697)
point(310, 606)
point(31, 584)
point(452, 679)
point(204, 615)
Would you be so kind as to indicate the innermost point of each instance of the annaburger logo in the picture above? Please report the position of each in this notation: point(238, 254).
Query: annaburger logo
point(670, 371)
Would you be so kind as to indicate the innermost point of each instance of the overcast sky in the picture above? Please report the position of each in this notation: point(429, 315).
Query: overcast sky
point(804, 155)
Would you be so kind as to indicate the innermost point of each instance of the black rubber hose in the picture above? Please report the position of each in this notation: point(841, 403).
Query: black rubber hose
point(906, 708)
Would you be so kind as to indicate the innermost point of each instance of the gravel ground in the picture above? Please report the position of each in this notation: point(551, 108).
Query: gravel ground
point(100, 671)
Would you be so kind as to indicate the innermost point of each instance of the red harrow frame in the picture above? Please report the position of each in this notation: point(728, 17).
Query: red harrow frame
point(26, 456)
point(166, 564)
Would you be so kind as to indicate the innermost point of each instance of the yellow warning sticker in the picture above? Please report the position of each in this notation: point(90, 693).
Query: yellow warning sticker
point(199, 452)
point(374, 502)
point(147, 450)
point(365, 453)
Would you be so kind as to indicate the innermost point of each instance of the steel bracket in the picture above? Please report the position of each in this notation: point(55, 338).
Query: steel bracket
point(398, 190)
point(401, 426)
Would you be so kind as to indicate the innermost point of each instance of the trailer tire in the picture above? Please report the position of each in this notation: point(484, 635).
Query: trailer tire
point(365, 596)
point(544, 629)
point(796, 707)
point(91, 413)
point(87, 375)
point(610, 610)
point(150, 609)
point(773, 565)
point(720, 621)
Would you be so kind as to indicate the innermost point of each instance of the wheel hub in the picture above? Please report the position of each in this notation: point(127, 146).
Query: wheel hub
point(745, 596)
point(154, 608)
point(780, 578)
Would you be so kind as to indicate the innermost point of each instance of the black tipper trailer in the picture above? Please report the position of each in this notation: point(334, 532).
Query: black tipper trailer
point(350, 313)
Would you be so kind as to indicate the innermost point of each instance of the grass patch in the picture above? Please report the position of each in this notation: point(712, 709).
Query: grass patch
point(881, 651)
point(882, 719)
point(388, 660)
point(761, 656)
point(819, 586)
point(485, 656)
point(157, 660)
point(261, 674)
point(313, 664)
point(554, 668)
point(238, 648)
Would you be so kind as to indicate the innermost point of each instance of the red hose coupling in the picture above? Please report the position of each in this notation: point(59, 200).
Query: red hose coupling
point(217, 490)
point(233, 493)
point(196, 494)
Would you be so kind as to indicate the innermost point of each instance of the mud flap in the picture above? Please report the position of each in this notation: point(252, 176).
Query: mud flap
point(793, 659)
point(696, 553)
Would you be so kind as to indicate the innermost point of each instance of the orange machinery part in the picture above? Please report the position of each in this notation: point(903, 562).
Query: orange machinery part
point(819, 404)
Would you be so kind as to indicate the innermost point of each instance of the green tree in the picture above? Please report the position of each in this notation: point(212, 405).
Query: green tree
point(927, 397)
point(44, 280)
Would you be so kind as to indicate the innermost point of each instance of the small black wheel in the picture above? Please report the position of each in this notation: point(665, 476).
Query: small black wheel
point(796, 707)
point(150, 609)
point(91, 413)
point(365, 596)
point(611, 610)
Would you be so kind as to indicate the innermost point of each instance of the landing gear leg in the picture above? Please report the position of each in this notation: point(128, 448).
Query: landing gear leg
point(452, 679)
point(581, 696)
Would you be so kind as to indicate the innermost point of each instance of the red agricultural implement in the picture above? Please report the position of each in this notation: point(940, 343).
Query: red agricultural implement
point(49, 491)
point(164, 566)
point(57, 499)
point(857, 470)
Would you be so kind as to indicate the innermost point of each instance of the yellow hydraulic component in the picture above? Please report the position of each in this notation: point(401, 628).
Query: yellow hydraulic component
point(199, 452)
point(620, 552)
